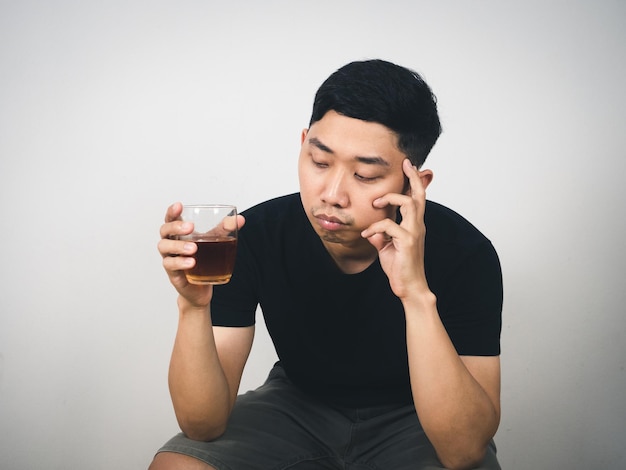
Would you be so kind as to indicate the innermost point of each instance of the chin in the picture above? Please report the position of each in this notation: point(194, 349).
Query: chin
point(331, 237)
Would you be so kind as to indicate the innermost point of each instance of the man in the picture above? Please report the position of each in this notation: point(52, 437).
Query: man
point(388, 338)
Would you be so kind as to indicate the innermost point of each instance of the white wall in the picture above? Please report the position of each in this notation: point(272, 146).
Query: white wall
point(109, 111)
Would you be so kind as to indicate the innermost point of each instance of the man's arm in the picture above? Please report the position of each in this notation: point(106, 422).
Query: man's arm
point(207, 362)
point(205, 371)
point(457, 399)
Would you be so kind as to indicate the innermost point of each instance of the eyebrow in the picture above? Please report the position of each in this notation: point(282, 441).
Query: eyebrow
point(373, 160)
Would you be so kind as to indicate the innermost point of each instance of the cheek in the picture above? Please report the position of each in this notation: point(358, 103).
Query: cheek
point(305, 169)
point(366, 214)
point(307, 189)
point(302, 176)
point(300, 172)
point(307, 183)
point(371, 214)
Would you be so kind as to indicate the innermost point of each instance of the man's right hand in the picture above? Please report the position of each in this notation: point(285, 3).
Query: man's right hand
point(178, 256)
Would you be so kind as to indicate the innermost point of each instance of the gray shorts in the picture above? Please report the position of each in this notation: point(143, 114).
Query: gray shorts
point(278, 427)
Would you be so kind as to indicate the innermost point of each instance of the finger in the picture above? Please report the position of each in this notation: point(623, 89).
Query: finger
point(393, 199)
point(418, 191)
point(386, 228)
point(409, 208)
point(241, 221)
point(173, 264)
point(173, 230)
point(231, 222)
point(379, 240)
point(168, 247)
point(173, 212)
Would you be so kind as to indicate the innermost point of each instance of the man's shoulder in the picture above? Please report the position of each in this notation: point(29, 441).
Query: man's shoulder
point(274, 216)
point(446, 226)
point(275, 206)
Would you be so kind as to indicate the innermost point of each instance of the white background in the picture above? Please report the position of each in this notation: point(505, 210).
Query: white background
point(110, 111)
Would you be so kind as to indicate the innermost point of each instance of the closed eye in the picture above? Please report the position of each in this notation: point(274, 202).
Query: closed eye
point(366, 179)
point(319, 164)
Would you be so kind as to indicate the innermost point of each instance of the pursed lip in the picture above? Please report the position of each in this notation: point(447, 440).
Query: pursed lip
point(329, 222)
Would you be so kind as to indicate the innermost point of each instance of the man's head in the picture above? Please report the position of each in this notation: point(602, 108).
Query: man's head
point(388, 94)
point(367, 119)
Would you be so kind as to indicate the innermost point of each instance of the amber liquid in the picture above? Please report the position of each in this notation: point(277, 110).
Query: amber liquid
point(215, 260)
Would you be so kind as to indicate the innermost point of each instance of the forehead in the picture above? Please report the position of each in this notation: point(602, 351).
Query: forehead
point(349, 137)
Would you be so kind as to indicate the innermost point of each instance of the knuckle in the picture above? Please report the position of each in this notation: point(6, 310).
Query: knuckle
point(161, 246)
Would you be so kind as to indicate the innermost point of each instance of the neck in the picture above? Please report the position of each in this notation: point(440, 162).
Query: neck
point(352, 260)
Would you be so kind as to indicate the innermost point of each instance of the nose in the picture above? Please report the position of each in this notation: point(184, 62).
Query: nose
point(335, 192)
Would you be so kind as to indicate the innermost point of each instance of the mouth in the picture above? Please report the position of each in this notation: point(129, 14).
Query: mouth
point(328, 222)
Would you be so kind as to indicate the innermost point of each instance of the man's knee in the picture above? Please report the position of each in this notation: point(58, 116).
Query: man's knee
point(174, 461)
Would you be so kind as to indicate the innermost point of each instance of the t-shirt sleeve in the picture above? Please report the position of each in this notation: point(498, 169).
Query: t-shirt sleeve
point(471, 304)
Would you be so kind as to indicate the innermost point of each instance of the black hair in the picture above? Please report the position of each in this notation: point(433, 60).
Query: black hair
point(386, 93)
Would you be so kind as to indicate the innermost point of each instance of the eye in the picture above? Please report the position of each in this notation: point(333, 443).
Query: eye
point(319, 163)
point(366, 179)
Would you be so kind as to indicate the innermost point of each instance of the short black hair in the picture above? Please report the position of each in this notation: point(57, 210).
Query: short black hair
point(386, 93)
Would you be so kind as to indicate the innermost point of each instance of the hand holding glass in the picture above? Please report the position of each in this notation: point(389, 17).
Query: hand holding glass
point(215, 233)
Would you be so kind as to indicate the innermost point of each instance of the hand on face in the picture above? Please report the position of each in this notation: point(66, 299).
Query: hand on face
point(401, 246)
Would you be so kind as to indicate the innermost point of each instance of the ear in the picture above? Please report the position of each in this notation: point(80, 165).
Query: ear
point(303, 135)
point(427, 177)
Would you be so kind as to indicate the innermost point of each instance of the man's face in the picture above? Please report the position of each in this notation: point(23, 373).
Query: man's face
point(344, 165)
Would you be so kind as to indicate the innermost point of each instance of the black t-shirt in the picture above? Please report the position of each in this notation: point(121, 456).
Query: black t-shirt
point(341, 337)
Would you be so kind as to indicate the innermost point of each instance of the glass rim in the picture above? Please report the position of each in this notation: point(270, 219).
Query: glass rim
point(202, 206)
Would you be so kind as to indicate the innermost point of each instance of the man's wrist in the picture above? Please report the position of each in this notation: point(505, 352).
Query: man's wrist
point(419, 301)
point(185, 307)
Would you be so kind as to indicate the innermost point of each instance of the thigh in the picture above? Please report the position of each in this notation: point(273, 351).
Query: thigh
point(172, 460)
point(275, 427)
point(490, 462)
point(395, 439)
